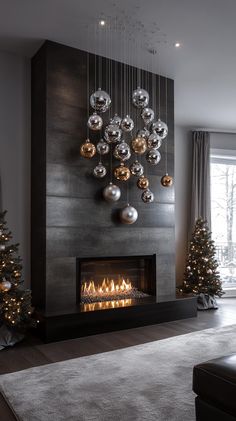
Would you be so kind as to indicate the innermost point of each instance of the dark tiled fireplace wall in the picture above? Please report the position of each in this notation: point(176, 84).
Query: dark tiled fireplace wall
point(69, 217)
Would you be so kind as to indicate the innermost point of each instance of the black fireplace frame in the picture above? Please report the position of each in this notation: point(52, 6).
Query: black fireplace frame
point(150, 261)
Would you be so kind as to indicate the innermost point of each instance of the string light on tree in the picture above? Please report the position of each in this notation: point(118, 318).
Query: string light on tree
point(15, 302)
point(201, 273)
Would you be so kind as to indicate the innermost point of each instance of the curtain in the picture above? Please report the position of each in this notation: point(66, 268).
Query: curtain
point(200, 200)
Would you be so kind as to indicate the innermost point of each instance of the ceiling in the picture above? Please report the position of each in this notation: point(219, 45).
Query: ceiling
point(204, 67)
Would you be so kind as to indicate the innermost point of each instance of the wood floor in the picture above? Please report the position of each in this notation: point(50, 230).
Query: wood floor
point(32, 352)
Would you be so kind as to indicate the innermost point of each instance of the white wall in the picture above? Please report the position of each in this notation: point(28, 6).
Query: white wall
point(223, 141)
point(183, 174)
point(15, 150)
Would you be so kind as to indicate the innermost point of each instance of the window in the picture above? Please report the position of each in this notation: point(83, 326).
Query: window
point(223, 214)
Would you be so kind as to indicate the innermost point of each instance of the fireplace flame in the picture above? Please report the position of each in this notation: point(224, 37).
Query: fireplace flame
point(108, 286)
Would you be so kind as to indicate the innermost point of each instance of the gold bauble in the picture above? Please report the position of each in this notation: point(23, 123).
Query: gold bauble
point(88, 149)
point(122, 172)
point(143, 182)
point(5, 285)
point(166, 180)
point(139, 145)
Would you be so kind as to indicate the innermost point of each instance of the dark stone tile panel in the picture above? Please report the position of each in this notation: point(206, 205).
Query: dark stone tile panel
point(128, 240)
point(73, 212)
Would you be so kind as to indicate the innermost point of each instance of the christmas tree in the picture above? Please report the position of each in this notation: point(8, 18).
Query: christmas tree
point(15, 302)
point(201, 274)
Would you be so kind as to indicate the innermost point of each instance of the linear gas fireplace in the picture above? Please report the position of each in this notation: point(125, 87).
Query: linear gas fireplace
point(113, 282)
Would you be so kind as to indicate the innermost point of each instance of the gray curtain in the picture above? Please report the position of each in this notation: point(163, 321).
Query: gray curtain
point(201, 201)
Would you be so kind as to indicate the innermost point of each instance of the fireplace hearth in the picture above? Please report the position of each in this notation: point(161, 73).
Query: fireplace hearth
point(113, 282)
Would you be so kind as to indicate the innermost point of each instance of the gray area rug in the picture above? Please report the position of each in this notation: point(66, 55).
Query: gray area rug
point(141, 383)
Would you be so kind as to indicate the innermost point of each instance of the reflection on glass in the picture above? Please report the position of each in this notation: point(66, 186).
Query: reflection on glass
point(104, 305)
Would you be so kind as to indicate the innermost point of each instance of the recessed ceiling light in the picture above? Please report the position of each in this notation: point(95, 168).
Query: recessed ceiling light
point(177, 44)
point(102, 22)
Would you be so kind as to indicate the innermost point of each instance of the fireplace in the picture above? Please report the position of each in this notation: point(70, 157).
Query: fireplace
point(63, 197)
point(113, 282)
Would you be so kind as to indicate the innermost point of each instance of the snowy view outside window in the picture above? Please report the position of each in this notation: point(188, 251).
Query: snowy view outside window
point(223, 216)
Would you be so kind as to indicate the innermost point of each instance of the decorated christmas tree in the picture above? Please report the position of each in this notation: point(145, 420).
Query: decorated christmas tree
point(15, 302)
point(201, 274)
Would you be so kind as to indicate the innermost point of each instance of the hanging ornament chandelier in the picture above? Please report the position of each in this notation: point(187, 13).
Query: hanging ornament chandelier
point(126, 129)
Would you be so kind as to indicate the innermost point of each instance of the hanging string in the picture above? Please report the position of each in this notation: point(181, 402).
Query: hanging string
point(108, 55)
point(166, 140)
point(95, 62)
point(159, 87)
point(88, 93)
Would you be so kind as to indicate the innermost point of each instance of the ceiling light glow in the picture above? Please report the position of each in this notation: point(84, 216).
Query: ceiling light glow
point(102, 22)
point(177, 44)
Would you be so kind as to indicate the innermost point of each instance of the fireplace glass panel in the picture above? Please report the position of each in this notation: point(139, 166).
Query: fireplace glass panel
point(113, 282)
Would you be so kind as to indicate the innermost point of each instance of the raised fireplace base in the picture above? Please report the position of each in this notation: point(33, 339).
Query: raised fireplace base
point(74, 324)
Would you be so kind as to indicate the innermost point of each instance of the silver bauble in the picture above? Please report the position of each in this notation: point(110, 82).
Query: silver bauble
point(2, 247)
point(147, 196)
point(122, 151)
point(128, 215)
point(140, 98)
point(111, 193)
point(153, 156)
point(112, 134)
point(102, 147)
point(136, 169)
point(95, 122)
point(147, 115)
point(99, 171)
point(144, 133)
point(160, 128)
point(127, 124)
point(154, 141)
point(100, 101)
point(116, 120)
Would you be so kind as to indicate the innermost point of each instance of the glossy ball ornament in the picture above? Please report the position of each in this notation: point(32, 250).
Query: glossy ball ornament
point(140, 98)
point(122, 173)
point(139, 145)
point(160, 128)
point(136, 169)
point(95, 122)
point(88, 149)
point(153, 157)
point(122, 151)
point(111, 193)
point(143, 182)
point(154, 141)
point(128, 215)
point(2, 247)
point(102, 147)
point(99, 171)
point(147, 196)
point(116, 120)
point(127, 124)
point(144, 133)
point(5, 285)
point(100, 101)
point(112, 134)
point(166, 180)
point(147, 115)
